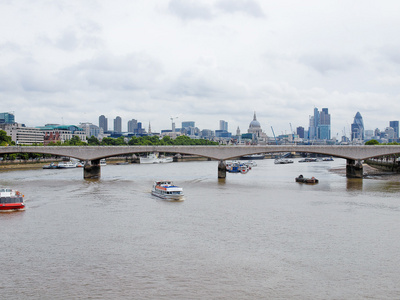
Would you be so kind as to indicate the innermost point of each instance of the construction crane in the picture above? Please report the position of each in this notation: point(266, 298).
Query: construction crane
point(173, 123)
point(274, 135)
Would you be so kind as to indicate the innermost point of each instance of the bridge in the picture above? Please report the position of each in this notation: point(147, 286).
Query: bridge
point(92, 154)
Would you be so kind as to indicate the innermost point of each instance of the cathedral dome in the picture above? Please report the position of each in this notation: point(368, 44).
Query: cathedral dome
point(255, 123)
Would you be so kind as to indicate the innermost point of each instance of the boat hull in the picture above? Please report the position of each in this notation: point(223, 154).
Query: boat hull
point(168, 197)
point(6, 207)
point(307, 180)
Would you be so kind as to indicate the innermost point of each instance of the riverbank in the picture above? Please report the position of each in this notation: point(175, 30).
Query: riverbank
point(28, 165)
point(371, 173)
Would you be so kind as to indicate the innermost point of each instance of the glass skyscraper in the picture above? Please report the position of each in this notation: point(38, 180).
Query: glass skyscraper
point(357, 128)
point(7, 118)
point(320, 125)
point(395, 126)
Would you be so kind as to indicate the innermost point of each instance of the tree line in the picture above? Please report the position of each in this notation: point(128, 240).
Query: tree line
point(6, 140)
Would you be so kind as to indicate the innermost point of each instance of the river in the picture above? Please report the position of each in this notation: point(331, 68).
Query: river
point(253, 236)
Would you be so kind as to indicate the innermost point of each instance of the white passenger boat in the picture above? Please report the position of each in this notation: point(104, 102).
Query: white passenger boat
point(167, 190)
point(282, 161)
point(103, 162)
point(66, 165)
point(152, 158)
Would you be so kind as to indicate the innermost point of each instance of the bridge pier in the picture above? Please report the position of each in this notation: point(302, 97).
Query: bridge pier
point(222, 169)
point(354, 169)
point(91, 170)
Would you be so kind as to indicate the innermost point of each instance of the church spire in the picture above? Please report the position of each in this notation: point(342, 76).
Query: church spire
point(254, 118)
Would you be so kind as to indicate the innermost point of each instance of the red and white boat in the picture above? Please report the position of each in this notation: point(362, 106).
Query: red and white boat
point(11, 200)
point(167, 190)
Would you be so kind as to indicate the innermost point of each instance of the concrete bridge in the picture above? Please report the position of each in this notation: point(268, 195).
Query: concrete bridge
point(92, 154)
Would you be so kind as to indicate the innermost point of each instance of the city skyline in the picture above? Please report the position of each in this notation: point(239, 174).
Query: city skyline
point(205, 61)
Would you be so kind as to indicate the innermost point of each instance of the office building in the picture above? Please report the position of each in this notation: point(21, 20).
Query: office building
point(188, 124)
point(223, 125)
point(54, 133)
point(103, 123)
point(7, 118)
point(118, 125)
point(395, 126)
point(22, 135)
point(132, 126)
point(320, 125)
point(357, 128)
point(300, 132)
point(90, 129)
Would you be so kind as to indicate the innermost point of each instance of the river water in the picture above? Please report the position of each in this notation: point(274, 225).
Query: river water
point(253, 236)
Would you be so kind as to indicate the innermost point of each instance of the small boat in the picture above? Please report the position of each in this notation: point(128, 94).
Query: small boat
point(237, 167)
point(253, 156)
point(250, 163)
point(167, 190)
point(11, 200)
point(327, 158)
point(66, 165)
point(282, 161)
point(152, 158)
point(103, 162)
point(80, 164)
point(50, 166)
point(302, 179)
point(308, 159)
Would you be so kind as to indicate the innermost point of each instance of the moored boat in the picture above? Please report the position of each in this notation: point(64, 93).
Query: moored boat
point(50, 166)
point(308, 159)
point(167, 190)
point(11, 200)
point(253, 156)
point(302, 179)
point(66, 165)
point(237, 167)
point(152, 158)
point(282, 161)
point(330, 158)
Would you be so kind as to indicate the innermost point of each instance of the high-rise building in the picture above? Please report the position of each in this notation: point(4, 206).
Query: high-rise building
point(118, 124)
point(395, 126)
point(320, 125)
point(103, 123)
point(223, 125)
point(90, 129)
point(324, 125)
point(300, 132)
point(7, 118)
point(187, 124)
point(357, 128)
point(132, 126)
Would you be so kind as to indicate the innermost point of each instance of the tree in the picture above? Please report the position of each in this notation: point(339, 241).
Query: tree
point(372, 142)
point(4, 138)
point(93, 141)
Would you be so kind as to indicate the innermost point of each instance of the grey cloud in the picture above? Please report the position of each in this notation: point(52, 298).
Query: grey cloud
point(392, 53)
point(189, 9)
point(29, 76)
point(249, 7)
point(68, 41)
point(325, 63)
point(130, 72)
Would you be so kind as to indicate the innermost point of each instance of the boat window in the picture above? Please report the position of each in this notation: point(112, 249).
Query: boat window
point(8, 200)
point(2, 200)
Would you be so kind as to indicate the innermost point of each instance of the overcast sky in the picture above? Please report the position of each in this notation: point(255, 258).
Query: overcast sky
point(70, 61)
